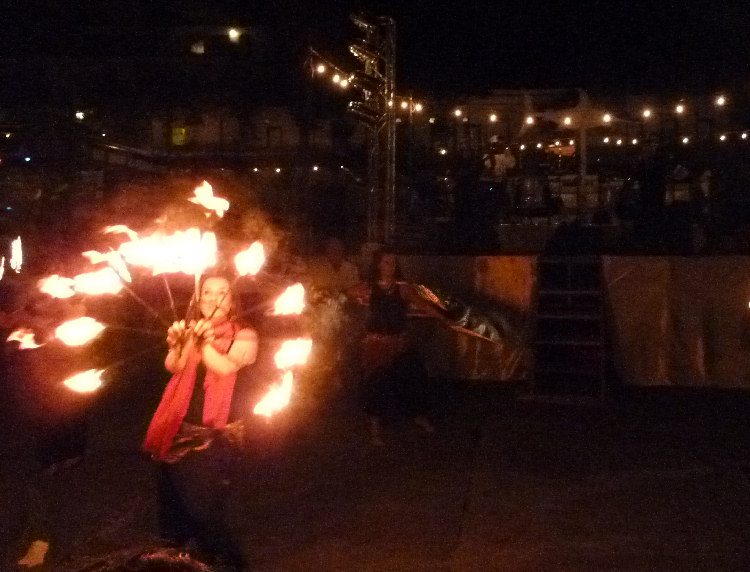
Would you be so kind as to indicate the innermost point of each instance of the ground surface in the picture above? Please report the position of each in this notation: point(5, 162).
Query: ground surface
point(659, 481)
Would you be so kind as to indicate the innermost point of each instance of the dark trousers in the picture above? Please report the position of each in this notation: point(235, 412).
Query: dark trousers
point(192, 495)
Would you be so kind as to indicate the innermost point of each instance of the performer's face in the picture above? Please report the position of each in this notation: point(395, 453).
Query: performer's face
point(215, 295)
point(387, 266)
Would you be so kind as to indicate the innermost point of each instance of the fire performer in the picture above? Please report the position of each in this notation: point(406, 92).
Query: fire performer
point(196, 431)
point(395, 383)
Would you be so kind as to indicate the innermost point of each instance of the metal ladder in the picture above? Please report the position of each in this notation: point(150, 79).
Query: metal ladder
point(571, 353)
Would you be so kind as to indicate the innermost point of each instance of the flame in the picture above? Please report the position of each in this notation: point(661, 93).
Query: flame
point(79, 331)
point(56, 286)
point(16, 257)
point(26, 338)
point(113, 259)
point(204, 196)
point(293, 352)
point(291, 301)
point(251, 260)
point(104, 281)
point(86, 381)
point(184, 251)
point(121, 228)
point(277, 398)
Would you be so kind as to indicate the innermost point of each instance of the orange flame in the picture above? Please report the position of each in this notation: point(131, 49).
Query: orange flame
point(251, 260)
point(293, 352)
point(16, 256)
point(204, 196)
point(26, 338)
point(79, 331)
point(56, 286)
point(86, 381)
point(113, 259)
point(121, 228)
point(104, 281)
point(277, 397)
point(184, 251)
point(291, 301)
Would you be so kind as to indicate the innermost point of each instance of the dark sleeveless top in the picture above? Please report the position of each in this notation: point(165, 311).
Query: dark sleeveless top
point(194, 414)
point(387, 310)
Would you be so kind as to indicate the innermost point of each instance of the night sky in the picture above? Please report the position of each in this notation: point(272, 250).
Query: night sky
point(456, 47)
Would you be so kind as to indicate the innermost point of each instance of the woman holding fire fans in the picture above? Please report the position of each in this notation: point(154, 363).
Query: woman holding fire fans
point(195, 430)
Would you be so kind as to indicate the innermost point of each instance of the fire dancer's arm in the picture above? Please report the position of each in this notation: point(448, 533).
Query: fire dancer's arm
point(243, 352)
point(179, 346)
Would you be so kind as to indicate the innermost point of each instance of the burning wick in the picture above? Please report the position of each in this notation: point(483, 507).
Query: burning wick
point(16, 258)
point(79, 331)
point(56, 286)
point(277, 397)
point(86, 381)
point(204, 196)
point(291, 301)
point(251, 260)
point(25, 337)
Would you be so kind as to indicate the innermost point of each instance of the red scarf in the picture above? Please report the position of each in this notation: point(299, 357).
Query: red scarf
point(176, 399)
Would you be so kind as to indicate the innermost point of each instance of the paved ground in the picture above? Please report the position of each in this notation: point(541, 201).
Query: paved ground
point(660, 481)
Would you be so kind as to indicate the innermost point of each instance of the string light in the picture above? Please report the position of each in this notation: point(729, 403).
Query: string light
point(606, 118)
point(538, 145)
point(522, 147)
point(606, 139)
point(744, 135)
point(685, 140)
point(567, 120)
point(571, 142)
point(679, 108)
point(493, 117)
point(529, 120)
point(321, 68)
point(721, 101)
point(418, 107)
point(646, 113)
point(404, 104)
point(457, 113)
point(635, 142)
point(722, 137)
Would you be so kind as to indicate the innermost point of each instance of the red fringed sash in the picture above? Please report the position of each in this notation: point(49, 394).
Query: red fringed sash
point(176, 399)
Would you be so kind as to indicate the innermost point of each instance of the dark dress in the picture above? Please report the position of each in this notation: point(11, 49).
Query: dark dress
point(394, 384)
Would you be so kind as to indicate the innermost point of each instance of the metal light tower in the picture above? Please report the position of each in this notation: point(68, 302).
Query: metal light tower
point(377, 51)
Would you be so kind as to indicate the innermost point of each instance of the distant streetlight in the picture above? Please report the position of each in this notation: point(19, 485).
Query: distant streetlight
point(680, 109)
point(457, 113)
point(418, 107)
point(234, 35)
point(646, 113)
point(529, 120)
point(568, 120)
point(721, 101)
point(607, 118)
point(493, 117)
